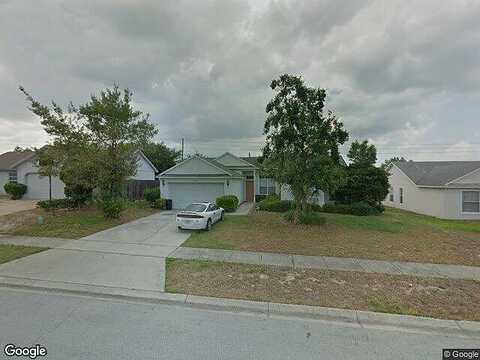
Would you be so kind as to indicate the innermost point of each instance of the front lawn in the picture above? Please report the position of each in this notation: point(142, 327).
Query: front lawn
point(433, 297)
point(12, 252)
point(395, 235)
point(70, 224)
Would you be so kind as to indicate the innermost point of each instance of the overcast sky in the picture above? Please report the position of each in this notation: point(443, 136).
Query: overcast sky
point(403, 74)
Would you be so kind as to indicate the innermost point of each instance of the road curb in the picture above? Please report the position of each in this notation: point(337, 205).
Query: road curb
point(354, 318)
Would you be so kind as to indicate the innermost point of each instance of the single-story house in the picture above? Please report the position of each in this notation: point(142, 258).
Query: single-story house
point(445, 189)
point(199, 178)
point(21, 167)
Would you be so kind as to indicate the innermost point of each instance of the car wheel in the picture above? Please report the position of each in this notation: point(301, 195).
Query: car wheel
point(209, 225)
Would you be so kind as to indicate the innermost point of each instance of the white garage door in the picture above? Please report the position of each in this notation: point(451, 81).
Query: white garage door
point(183, 194)
point(38, 187)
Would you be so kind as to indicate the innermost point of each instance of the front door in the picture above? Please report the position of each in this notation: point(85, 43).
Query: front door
point(249, 190)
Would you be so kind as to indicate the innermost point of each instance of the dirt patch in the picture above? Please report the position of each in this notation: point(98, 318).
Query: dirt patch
point(434, 297)
point(10, 222)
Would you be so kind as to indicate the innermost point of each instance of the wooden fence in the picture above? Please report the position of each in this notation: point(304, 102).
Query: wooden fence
point(135, 188)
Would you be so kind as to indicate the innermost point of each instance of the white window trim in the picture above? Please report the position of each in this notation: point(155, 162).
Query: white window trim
point(461, 202)
point(268, 185)
point(10, 176)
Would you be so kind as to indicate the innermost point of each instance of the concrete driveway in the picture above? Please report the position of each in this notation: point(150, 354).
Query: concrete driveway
point(130, 256)
point(8, 206)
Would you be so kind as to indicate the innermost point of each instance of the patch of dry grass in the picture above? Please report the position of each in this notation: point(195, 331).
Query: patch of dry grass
point(70, 224)
point(433, 297)
point(396, 235)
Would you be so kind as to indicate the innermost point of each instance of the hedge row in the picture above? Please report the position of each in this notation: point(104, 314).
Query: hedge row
point(358, 209)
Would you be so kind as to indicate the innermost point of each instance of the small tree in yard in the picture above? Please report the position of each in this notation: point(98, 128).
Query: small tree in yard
point(302, 141)
point(94, 145)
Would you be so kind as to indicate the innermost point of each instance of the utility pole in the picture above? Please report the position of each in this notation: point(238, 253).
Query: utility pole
point(183, 146)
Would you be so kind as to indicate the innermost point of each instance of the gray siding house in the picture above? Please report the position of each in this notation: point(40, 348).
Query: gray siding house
point(445, 189)
point(21, 167)
point(199, 178)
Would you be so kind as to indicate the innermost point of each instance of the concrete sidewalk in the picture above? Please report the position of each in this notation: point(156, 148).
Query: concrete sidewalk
point(243, 209)
point(129, 256)
point(330, 263)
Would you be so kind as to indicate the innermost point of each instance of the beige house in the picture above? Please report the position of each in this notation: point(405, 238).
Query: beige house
point(445, 189)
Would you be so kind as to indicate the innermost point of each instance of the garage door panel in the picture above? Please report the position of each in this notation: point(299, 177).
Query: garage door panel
point(38, 187)
point(183, 194)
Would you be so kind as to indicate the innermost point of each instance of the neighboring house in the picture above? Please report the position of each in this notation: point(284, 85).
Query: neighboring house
point(199, 178)
point(21, 167)
point(445, 189)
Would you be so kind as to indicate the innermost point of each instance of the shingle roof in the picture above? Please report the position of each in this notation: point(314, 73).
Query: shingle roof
point(9, 159)
point(221, 166)
point(250, 159)
point(436, 173)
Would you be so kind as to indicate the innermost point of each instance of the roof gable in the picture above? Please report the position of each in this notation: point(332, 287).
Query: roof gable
point(230, 160)
point(9, 160)
point(143, 157)
point(436, 173)
point(196, 165)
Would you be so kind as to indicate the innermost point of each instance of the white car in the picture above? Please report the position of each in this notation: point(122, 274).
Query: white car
point(200, 215)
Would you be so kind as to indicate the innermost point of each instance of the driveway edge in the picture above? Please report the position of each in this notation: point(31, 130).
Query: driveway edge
point(354, 318)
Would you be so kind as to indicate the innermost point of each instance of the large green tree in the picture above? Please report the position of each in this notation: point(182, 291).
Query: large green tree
point(94, 145)
point(362, 154)
point(160, 155)
point(364, 181)
point(302, 140)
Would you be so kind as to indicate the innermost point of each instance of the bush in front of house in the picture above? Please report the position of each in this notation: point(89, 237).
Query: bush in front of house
point(78, 194)
point(228, 202)
point(360, 208)
point(275, 205)
point(160, 204)
point(111, 207)
point(55, 204)
point(15, 190)
point(151, 194)
point(306, 218)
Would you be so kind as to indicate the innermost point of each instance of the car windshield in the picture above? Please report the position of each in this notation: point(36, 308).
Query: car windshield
point(196, 207)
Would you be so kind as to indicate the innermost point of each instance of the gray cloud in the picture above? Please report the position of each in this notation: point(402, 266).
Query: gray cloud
point(396, 72)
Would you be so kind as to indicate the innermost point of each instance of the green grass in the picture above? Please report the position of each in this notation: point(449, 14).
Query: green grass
point(74, 224)
point(12, 252)
point(395, 235)
point(383, 223)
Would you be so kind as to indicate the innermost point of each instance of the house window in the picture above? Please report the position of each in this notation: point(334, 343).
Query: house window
point(267, 186)
point(471, 201)
point(391, 197)
point(401, 195)
point(12, 176)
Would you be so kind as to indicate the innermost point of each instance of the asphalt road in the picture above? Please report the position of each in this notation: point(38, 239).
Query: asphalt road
point(78, 327)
